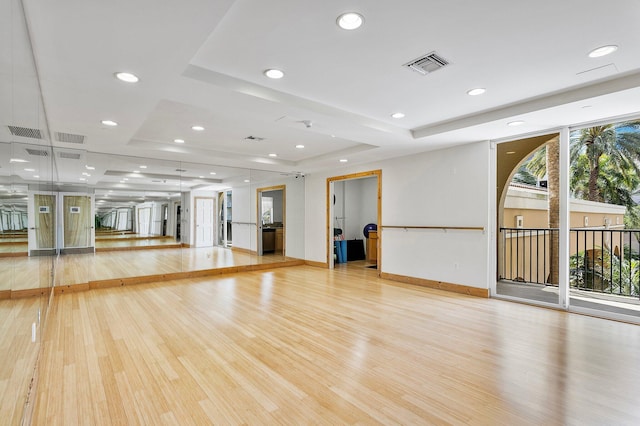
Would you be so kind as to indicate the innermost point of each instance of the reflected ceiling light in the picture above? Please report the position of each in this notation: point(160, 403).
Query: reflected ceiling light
point(477, 91)
point(36, 176)
point(121, 181)
point(212, 173)
point(89, 167)
point(136, 171)
point(350, 20)
point(109, 123)
point(515, 123)
point(200, 177)
point(343, 160)
point(127, 77)
point(197, 128)
point(111, 190)
point(29, 170)
point(17, 160)
point(274, 73)
point(86, 174)
point(125, 179)
point(273, 155)
point(143, 167)
point(602, 51)
point(178, 140)
point(397, 115)
point(300, 146)
point(247, 181)
point(83, 179)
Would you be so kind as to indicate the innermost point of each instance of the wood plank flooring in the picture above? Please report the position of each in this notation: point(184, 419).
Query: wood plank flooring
point(305, 345)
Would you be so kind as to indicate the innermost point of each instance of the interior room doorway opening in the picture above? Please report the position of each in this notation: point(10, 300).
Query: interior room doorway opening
point(354, 214)
point(204, 221)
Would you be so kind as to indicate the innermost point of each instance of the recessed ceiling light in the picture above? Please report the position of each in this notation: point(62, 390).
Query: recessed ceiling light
point(143, 167)
point(89, 167)
point(300, 146)
point(178, 140)
point(29, 170)
point(274, 73)
point(343, 160)
point(273, 155)
point(110, 123)
point(510, 152)
point(247, 181)
point(86, 174)
point(36, 176)
point(136, 171)
point(127, 77)
point(212, 173)
point(477, 91)
point(350, 20)
point(200, 177)
point(602, 51)
point(17, 160)
point(83, 179)
point(515, 123)
point(197, 128)
point(397, 115)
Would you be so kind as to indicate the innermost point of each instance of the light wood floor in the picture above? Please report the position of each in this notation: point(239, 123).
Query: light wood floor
point(305, 345)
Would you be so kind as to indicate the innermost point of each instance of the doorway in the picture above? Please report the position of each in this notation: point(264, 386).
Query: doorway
point(354, 214)
point(204, 226)
point(271, 220)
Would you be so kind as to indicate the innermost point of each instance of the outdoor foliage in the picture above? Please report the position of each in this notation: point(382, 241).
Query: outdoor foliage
point(606, 273)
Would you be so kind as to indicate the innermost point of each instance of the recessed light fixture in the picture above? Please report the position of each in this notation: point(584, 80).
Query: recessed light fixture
point(17, 160)
point(515, 123)
point(136, 171)
point(109, 123)
point(143, 167)
point(83, 179)
point(127, 77)
point(477, 91)
point(510, 152)
point(89, 167)
point(274, 73)
point(397, 115)
point(85, 174)
point(29, 170)
point(36, 176)
point(197, 128)
point(178, 140)
point(603, 50)
point(200, 177)
point(212, 173)
point(343, 160)
point(247, 181)
point(350, 20)
point(273, 155)
point(300, 146)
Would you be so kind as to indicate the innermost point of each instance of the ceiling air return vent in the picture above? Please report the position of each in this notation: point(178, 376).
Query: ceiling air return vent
point(428, 63)
point(37, 152)
point(69, 155)
point(25, 132)
point(69, 138)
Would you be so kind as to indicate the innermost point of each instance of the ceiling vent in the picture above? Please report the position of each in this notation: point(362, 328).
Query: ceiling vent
point(25, 132)
point(428, 63)
point(37, 152)
point(253, 138)
point(69, 138)
point(180, 170)
point(69, 155)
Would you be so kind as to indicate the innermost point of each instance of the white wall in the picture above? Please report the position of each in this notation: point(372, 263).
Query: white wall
point(440, 188)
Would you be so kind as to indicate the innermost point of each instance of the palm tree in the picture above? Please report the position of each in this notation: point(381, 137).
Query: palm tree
point(620, 142)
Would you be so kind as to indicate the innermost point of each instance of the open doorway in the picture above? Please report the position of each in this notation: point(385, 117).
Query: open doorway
point(353, 217)
point(271, 220)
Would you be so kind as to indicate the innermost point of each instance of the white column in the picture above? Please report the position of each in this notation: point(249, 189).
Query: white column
point(563, 285)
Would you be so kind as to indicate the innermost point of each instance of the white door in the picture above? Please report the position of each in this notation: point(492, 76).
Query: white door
point(204, 222)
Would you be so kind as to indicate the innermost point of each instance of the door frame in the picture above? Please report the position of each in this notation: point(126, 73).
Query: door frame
point(259, 192)
point(329, 220)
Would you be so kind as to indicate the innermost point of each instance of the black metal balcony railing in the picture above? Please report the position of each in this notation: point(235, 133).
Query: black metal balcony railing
point(601, 260)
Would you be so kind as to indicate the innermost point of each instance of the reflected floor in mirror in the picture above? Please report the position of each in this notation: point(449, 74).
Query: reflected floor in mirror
point(77, 269)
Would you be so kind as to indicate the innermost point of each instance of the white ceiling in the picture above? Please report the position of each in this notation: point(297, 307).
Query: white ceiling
point(202, 62)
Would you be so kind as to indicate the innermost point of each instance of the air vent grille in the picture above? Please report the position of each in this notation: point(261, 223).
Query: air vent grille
point(37, 152)
point(69, 155)
point(180, 170)
point(69, 138)
point(428, 63)
point(253, 138)
point(25, 132)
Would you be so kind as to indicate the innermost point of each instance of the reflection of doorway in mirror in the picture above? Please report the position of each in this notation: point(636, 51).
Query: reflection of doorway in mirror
point(204, 216)
point(144, 221)
point(77, 219)
point(224, 219)
point(44, 222)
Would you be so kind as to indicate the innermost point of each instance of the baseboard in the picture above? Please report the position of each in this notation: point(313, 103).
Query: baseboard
point(315, 264)
point(5, 294)
point(14, 254)
point(77, 250)
point(244, 250)
point(440, 285)
point(165, 246)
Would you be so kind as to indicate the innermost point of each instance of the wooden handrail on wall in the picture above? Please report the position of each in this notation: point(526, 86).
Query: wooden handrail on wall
point(444, 228)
